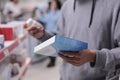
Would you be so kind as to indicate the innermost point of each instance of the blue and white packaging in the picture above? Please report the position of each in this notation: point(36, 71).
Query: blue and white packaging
point(1, 41)
point(55, 44)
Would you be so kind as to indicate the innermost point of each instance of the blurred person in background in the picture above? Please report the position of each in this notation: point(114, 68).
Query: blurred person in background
point(48, 17)
point(50, 20)
point(12, 10)
point(51, 15)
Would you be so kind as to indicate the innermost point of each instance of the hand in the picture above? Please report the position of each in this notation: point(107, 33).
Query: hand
point(78, 58)
point(36, 31)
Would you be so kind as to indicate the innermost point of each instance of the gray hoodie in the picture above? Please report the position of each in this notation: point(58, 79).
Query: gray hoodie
point(96, 22)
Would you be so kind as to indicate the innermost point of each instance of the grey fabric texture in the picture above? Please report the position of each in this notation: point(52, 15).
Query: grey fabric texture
point(100, 28)
point(103, 35)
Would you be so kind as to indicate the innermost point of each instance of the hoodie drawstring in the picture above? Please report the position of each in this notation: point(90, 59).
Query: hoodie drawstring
point(92, 12)
point(74, 5)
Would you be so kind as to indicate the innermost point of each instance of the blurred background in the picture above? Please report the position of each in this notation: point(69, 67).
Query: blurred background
point(17, 59)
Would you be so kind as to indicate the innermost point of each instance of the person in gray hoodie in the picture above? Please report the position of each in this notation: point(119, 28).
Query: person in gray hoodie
point(96, 22)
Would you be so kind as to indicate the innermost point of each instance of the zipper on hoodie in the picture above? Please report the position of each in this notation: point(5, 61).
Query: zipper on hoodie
point(74, 5)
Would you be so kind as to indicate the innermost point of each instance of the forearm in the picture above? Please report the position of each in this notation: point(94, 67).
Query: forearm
point(106, 57)
point(46, 36)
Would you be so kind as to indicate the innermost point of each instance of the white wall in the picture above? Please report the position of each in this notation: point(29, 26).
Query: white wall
point(33, 3)
point(2, 3)
point(26, 3)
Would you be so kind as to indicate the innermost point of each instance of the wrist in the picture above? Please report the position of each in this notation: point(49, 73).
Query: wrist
point(45, 36)
point(42, 35)
point(93, 52)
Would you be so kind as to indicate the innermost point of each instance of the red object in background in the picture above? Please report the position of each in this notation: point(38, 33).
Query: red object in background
point(9, 33)
point(0, 31)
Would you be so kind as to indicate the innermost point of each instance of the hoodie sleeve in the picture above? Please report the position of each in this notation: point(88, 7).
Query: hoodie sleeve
point(106, 58)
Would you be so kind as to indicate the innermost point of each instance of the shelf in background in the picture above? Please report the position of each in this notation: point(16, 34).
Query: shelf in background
point(11, 45)
point(23, 70)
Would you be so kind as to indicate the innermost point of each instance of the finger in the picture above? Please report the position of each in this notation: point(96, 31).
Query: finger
point(38, 35)
point(78, 64)
point(33, 32)
point(25, 26)
point(71, 59)
point(71, 62)
point(41, 28)
point(38, 28)
point(29, 29)
point(66, 53)
point(75, 64)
